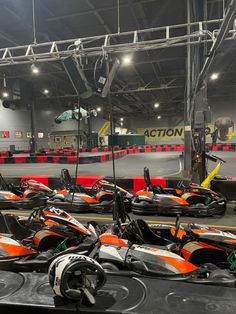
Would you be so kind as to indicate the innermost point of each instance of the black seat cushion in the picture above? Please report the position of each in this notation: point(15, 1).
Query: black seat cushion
point(151, 238)
point(14, 227)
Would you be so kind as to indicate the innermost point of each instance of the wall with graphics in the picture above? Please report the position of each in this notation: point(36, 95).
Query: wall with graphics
point(15, 125)
point(171, 130)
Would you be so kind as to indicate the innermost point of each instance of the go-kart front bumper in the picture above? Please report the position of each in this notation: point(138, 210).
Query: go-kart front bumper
point(214, 208)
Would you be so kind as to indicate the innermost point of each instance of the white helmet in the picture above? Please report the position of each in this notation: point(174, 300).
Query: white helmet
point(76, 276)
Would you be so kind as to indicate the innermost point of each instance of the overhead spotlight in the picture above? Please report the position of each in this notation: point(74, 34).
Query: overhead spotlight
point(99, 109)
point(5, 94)
point(214, 76)
point(156, 105)
point(158, 117)
point(121, 119)
point(46, 91)
point(34, 69)
point(126, 60)
point(121, 124)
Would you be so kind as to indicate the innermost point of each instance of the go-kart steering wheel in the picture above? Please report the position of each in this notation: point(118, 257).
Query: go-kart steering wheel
point(37, 213)
point(133, 230)
point(96, 185)
point(177, 226)
point(157, 189)
point(23, 182)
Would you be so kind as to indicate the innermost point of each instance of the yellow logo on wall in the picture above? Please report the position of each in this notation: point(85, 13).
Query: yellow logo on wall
point(104, 128)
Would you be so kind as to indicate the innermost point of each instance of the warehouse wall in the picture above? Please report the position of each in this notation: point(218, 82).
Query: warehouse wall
point(44, 122)
point(219, 109)
point(44, 115)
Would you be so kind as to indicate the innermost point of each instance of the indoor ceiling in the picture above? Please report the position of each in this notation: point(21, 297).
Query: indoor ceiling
point(154, 75)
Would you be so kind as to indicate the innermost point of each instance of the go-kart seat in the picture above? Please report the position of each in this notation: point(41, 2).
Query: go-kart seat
point(3, 225)
point(151, 238)
point(18, 231)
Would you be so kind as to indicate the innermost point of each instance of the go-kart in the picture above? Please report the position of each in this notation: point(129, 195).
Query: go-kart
point(200, 244)
point(77, 198)
point(115, 251)
point(193, 200)
point(27, 195)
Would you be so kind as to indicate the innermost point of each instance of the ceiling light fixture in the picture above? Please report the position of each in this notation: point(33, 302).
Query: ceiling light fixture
point(156, 105)
point(5, 94)
point(127, 60)
point(34, 69)
point(46, 91)
point(214, 76)
point(158, 117)
point(121, 119)
point(99, 109)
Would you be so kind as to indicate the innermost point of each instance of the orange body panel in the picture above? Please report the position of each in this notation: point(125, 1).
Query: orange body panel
point(78, 228)
point(16, 250)
point(230, 241)
point(145, 193)
point(50, 222)
point(62, 191)
point(204, 231)
point(182, 265)
point(193, 246)
point(180, 200)
point(11, 196)
point(88, 199)
point(112, 239)
point(181, 233)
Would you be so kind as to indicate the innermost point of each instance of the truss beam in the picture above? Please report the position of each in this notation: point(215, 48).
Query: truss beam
point(161, 37)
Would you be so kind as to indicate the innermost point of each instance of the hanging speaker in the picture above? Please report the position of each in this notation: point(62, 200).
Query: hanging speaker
point(104, 81)
point(77, 77)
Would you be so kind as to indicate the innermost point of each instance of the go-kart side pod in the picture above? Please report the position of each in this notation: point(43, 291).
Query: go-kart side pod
point(159, 204)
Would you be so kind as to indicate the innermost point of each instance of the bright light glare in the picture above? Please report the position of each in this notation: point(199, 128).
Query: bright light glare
point(127, 60)
point(121, 119)
point(34, 69)
point(46, 91)
point(214, 76)
point(158, 117)
point(99, 109)
point(5, 94)
point(156, 105)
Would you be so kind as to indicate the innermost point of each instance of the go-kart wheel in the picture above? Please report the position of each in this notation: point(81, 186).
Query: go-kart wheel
point(107, 266)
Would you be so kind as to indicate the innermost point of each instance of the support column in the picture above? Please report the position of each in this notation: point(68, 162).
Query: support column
point(33, 145)
point(188, 105)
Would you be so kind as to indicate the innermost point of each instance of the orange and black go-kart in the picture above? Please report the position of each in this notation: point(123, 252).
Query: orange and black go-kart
point(77, 198)
point(33, 242)
point(27, 195)
point(193, 200)
point(113, 251)
point(200, 244)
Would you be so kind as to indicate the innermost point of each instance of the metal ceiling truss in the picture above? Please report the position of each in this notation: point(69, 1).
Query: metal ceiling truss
point(162, 37)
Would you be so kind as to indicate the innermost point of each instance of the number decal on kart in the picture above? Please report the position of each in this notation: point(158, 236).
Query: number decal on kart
point(57, 211)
